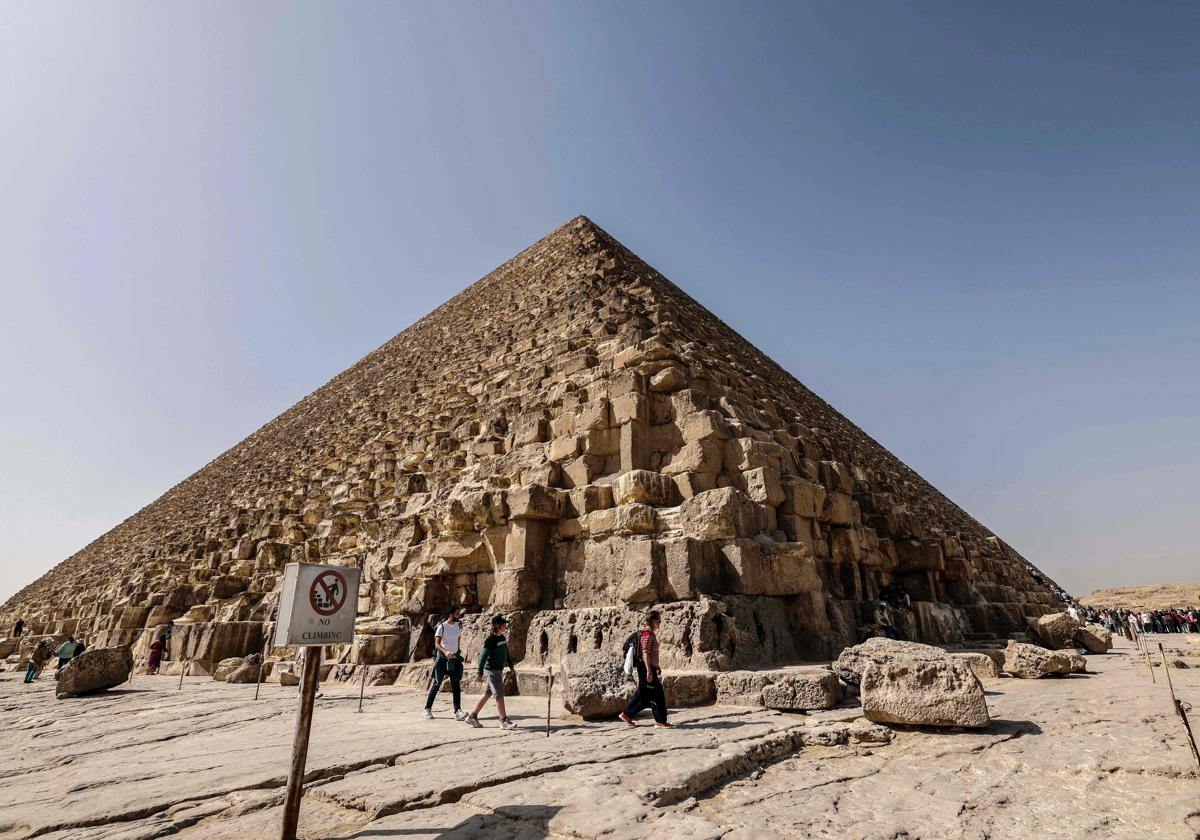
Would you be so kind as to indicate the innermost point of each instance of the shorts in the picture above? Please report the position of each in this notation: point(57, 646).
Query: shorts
point(495, 684)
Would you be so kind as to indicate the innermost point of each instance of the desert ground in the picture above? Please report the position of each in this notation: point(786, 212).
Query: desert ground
point(1097, 754)
point(1155, 597)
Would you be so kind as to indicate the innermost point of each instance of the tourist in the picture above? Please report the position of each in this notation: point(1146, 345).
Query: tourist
point(492, 659)
point(883, 621)
point(42, 653)
point(65, 651)
point(649, 688)
point(80, 647)
point(157, 647)
point(447, 662)
point(895, 596)
point(18, 628)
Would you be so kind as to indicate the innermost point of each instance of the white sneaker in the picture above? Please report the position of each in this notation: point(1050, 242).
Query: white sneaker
point(508, 724)
point(427, 714)
point(320, 694)
point(460, 715)
point(473, 721)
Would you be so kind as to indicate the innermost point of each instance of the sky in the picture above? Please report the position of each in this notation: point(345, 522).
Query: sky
point(973, 228)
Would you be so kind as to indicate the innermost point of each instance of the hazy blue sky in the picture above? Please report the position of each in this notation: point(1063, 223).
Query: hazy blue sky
point(974, 228)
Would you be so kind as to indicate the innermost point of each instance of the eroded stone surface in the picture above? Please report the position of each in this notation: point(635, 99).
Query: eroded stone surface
point(923, 693)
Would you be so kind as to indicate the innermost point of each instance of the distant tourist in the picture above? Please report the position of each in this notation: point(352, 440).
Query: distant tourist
point(65, 651)
point(883, 621)
point(895, 596)
point(492, 660)
point(42, 654)
point(447, 662)
point(18, 628)
point(156, 653)
point(80, 647)
point(649, 688)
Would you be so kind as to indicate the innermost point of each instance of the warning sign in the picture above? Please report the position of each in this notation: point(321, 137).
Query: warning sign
point(327, 593)
point(318, 605)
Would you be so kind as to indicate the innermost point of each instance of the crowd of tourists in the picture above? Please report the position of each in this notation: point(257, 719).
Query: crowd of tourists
point(1128, 622)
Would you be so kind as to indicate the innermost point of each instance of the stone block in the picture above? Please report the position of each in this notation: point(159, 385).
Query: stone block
point(96, 669)
point(594, 684)
point(923, 692)
point(721, 514)
point(645, 487)
point(789, 569)
point(535, 502)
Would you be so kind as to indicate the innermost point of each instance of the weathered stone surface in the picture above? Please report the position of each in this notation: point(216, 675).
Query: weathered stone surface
point(986, 666)
point(803, 690)
point(572, 431)
point(96, 669)
point(594, 684)
point(923, 692)
point(880, 651)
point(251, 670)
point(1093, 638)
point(1076, 660)
point(1056, 630)
point(226, 667)
point(1032, 662)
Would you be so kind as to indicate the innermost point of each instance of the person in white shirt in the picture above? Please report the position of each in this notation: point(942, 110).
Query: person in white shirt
point(447, 663)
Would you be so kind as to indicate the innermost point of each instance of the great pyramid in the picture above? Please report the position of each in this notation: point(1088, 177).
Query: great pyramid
point(571, 439)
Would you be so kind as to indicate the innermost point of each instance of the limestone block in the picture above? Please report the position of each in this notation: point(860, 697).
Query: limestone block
point(641, 572)
point(689, 484)
point(1076, 660)
point(1094, 638)
point(588, 498)
point(763, 486)
point(703, 425)
point(689, 689)
point(594, 684)
point(668, 379)
point(645, 487)
point(531, 430)
point(789, 569)
point(923, 692)
point(1056, 630)
point(1031, 662)
point(742, 567)
point(880, 651)
point(535, 502)
point(379, 649)
point(251, 670)
point(601, 442)
point(629, 408)
point(725, 513)
point(923, 556)
point(803, 498)
point(96, 669)
point(594, 415)
point(841, 509)
point(563, 448)
point(226, 667)
point(628, 518)
point(804, 689)
point(837, 477)
point(741, 688)
point(981, 664)
point(582, 471)
point(690, 568)
point(697, 456)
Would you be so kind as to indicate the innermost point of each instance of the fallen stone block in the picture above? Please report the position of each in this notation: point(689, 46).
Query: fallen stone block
point(880, 651)
point(226, 667)
point(1030, 662)
point(1075, 658)
point(1093, 638)
point(97, 669)
point(688, 689)
point(1056, 630)
point(803, 690)
point(981, 664)
point(594, 684)
point(923, 692)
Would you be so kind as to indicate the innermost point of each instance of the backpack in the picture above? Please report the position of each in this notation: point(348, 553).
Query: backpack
point(633, 652)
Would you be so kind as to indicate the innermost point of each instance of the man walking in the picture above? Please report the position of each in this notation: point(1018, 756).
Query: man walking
point(649, 689)
point(447, 662)
point(18, 628)
point(492, 659)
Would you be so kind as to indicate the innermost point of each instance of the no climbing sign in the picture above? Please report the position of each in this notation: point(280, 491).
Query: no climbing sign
point(317, 606)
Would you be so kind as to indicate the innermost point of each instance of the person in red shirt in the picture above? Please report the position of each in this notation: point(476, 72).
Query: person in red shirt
point(650, 689)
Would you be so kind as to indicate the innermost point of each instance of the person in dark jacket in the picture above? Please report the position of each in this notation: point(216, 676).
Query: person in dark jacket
point(18, 628)
point(492, 659)
point(649, 688)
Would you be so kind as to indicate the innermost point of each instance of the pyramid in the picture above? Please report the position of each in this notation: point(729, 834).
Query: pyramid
point(570, 440)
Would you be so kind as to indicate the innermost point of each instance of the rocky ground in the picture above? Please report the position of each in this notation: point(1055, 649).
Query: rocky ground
point(1100, 753)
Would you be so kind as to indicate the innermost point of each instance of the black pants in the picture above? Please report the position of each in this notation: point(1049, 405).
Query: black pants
point(442, 668)
point(648, 694)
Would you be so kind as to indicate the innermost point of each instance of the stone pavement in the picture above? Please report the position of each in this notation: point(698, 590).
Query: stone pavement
point(1098, 753)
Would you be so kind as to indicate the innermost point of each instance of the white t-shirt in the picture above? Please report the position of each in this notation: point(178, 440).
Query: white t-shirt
point(449, 634)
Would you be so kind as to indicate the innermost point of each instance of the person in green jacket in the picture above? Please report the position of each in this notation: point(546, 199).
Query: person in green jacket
point(65, 651)
point(493, 657)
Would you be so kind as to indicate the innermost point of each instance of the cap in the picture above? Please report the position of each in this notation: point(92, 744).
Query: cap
point(497, 620)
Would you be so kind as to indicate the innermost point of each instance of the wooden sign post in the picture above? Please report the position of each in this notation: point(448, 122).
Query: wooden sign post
point(317, 608)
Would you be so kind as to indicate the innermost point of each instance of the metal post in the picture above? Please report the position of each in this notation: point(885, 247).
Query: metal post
point(183, 666)
point(1187, 727)
point(549, 691)
point(363, 688)
point(1146, 653)
point(295, 786)
point(1166, 669)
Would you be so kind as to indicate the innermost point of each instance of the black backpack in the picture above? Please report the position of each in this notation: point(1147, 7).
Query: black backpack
point(634, 641)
